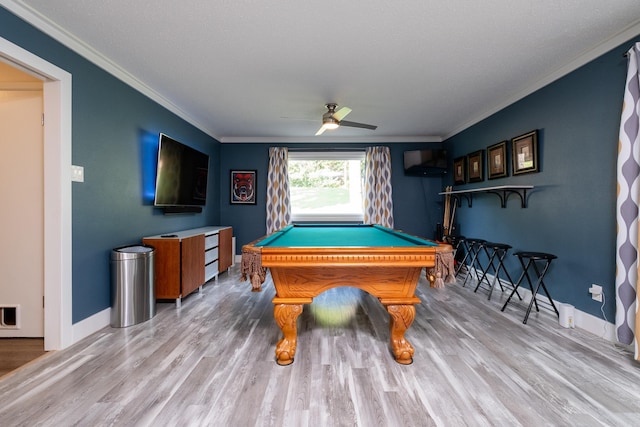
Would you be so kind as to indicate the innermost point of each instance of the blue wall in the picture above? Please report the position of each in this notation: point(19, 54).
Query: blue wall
point(571, 212)
point(417, 206)
point(115, 130)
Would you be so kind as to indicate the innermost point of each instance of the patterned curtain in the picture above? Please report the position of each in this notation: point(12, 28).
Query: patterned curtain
point(278, 197)
point(628, 173)
point(378, 203)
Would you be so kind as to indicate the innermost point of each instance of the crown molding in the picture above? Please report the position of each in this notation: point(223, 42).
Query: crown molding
point(328, 139)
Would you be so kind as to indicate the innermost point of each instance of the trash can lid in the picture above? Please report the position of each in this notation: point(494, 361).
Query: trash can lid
point(134, 249)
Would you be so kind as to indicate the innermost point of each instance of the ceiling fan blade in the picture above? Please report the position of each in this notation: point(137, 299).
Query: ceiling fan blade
point(321, 130)
point(357, 125)
point(341, 113)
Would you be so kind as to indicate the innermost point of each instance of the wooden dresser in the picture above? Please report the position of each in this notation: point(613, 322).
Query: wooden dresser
point(185, 260)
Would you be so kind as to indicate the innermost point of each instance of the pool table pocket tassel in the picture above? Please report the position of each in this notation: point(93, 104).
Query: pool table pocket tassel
point(444, 267)
point(251, 266)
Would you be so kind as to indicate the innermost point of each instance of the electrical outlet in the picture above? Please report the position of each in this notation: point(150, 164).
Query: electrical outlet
point(596, 292)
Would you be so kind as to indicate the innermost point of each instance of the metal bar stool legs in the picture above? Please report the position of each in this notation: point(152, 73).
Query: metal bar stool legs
point(498, 254)
point(464, 246)
point(474, 245)
point(502, 253)
point(532, 259)
point(486, 246)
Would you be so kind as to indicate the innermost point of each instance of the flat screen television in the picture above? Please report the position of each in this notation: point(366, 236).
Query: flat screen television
point(428, 162)
point(181, 177)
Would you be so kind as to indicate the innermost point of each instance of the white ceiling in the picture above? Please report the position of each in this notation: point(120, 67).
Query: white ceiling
point(256, 70)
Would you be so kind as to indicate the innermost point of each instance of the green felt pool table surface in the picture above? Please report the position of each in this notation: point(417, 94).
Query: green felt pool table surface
point(343, 235)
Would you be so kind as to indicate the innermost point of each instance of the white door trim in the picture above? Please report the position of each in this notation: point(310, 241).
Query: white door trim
point(58, 332)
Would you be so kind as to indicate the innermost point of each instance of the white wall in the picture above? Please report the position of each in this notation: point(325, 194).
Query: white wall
point(22, 193)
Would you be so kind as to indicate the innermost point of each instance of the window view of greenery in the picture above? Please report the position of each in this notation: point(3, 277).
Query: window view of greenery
point(324, 187)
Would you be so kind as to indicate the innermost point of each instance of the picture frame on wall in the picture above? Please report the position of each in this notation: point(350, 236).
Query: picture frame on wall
point(475, 169)
point(243, 187)
point(459, 171)
point(497, 160)
point(524, 153)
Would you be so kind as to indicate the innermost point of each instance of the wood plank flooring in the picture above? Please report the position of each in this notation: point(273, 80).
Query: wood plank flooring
point(211, 363)
point(16, 352)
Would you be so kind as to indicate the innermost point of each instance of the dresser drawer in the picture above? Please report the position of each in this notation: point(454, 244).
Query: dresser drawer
point(211, 255)
point(210, 270)
point(211, 241)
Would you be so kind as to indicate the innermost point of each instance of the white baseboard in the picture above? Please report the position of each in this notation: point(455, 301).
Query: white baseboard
point(596, 326)
point(582, 320)
point(91, 324)
point(233, 251)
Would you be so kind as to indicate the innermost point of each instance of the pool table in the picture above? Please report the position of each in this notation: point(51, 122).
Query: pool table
point(308, 259)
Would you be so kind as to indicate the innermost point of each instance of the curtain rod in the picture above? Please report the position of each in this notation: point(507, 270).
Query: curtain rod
point(327, 149)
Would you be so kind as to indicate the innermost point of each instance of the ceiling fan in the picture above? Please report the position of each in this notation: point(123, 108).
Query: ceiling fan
point(332, 119)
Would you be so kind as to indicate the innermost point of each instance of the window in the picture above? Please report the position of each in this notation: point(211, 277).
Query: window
point(326, 186)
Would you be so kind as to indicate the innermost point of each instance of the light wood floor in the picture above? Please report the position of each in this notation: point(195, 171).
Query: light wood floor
point(211, 363)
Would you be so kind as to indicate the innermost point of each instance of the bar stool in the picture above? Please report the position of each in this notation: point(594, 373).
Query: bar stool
point(497, 253)
point(475, 246)
point(533, 259)
point(463, 245)
point(456, 242)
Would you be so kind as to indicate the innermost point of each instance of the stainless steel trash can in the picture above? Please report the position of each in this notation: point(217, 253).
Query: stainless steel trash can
point(133, 297)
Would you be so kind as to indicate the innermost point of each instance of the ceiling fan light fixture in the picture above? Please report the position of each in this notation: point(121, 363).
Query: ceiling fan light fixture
point(333, 119)
point(330, 123)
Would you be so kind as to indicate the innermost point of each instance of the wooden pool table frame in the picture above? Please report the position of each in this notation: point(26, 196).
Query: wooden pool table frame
point(300, 273)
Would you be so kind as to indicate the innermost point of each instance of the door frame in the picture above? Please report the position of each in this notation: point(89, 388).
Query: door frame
point(58, 332)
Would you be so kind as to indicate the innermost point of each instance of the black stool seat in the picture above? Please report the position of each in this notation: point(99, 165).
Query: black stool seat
point(535, 255)
point(471, 240)
point(496, 253)
point(474, 247)
point(532, 261)
point(497, 245)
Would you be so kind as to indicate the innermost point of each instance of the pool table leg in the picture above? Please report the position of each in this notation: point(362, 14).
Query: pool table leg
point(286, 316)
point(401, 318)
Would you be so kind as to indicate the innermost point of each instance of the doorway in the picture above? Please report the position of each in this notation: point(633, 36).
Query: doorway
point(58, 332)
point(22, 191)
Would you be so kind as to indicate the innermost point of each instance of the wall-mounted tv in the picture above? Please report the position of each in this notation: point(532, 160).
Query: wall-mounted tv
point(428, 162)
point(181, 178)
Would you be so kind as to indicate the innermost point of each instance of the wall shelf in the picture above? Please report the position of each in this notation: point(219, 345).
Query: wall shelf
point(502, 191)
